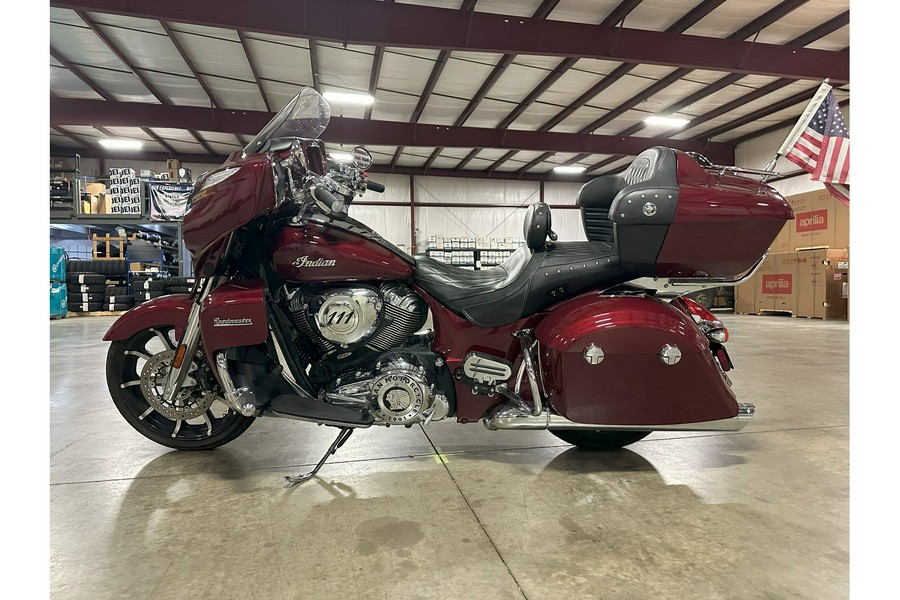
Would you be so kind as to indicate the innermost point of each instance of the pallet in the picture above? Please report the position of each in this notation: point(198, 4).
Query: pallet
point(106, 240)
point(98, 313)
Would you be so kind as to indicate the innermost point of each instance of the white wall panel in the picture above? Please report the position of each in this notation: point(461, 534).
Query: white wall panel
point(392, 222)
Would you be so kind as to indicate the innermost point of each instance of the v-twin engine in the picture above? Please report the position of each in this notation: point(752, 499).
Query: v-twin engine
point(397, 392)
point(342, 318)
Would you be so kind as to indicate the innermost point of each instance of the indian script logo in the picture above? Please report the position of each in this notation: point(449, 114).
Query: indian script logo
point(304, 261)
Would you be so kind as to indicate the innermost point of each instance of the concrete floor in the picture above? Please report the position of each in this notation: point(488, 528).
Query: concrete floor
point(762, 513)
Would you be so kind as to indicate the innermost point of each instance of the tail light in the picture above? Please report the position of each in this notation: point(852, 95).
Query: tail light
point(705, 320)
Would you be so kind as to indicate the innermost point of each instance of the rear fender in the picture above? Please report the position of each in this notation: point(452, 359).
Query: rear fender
point(172, 309)
point(600, 358)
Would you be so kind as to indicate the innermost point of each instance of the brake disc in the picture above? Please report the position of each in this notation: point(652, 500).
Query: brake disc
point(190, 402)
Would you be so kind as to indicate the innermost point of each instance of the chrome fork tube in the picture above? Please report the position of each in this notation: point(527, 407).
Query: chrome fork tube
point(184, 353)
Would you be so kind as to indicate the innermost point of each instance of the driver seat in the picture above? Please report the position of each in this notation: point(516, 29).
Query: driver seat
point(534, 276)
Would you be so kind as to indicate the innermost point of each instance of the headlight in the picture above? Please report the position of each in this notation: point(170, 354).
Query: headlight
point(217, 177)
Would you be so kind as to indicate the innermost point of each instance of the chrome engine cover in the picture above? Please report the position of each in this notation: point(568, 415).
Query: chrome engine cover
point(349, 315)
point(398, 392)
point(401, 393)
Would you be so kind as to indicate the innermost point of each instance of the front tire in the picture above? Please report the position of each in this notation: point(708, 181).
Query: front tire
point(586, 439)
point(134, 370)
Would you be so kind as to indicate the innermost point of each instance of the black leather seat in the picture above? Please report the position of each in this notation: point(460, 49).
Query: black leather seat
point(535, 276)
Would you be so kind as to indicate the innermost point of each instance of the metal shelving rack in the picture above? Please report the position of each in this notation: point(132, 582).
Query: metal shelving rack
point(69, 204)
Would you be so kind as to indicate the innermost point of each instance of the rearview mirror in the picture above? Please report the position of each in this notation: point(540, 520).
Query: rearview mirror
point(362, 158)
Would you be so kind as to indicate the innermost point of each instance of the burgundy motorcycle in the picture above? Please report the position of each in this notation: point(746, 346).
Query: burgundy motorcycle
point(301, 312)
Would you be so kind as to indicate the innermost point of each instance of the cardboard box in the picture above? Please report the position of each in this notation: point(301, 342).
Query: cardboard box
point(823, 283)
point(820, 221)
point(102, 206)
point(745, 297)
point(95, 189)
point(776, 283)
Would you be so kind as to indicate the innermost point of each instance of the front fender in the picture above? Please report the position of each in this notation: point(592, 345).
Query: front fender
point(172, 309)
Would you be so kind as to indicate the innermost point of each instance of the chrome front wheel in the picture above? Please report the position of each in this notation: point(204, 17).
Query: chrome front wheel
point(197, 418)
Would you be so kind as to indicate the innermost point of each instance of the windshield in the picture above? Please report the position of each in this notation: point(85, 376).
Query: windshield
point(305, 116)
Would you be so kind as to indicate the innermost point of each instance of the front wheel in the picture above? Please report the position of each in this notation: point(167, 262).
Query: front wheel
point(197, 419)
point(599, 439)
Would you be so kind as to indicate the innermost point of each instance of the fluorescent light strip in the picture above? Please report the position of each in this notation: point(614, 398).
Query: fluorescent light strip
point(344, 98)
point(340, 156)
point(121, 144)
point(668, 121)
point(569, 170)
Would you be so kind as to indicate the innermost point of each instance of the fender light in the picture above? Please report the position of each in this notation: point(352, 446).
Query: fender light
point(705, 320)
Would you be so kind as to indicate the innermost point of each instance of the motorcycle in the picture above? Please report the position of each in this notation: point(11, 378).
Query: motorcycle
point(300, 311)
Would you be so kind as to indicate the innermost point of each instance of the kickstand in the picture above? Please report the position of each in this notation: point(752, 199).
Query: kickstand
point(342, 437)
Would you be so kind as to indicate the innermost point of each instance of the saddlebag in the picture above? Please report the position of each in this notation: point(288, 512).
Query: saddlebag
point(629, 360)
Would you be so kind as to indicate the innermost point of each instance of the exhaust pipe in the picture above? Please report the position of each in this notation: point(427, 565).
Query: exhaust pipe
point(509, 416)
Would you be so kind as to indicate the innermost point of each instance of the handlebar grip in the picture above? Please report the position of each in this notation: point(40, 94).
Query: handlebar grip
point(335, 206)
point(374, 186)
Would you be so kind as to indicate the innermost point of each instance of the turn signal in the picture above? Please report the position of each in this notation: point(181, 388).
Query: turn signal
point(718, 335)
point(179, 357)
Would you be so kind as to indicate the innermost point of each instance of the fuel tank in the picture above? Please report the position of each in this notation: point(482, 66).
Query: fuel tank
point(318, 252)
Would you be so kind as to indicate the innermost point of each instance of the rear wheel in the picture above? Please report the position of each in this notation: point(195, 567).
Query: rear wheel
point(197, 419)
point(598, 439)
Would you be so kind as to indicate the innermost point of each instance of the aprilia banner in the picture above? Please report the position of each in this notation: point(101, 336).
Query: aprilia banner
point(168, 200)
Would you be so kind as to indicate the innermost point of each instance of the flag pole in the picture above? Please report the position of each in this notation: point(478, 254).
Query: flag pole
point(800, 125)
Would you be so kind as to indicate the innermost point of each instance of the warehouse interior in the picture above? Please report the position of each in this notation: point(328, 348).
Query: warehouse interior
point(472, 112)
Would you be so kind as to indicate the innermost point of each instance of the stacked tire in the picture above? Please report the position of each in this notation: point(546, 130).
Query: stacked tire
point(179, 285)
point(117, 298)
point(147, 288)
point(85, 291)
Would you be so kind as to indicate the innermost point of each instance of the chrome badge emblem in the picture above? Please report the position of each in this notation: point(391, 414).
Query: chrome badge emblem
point(670, 354)
point(593, 354)
point(304, 262)
point(219, 322)
point(649, 209)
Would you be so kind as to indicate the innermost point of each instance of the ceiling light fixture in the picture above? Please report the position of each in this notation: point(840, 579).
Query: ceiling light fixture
point(122, 144)
point(667, 121)
point(568, 170)
point(340, 156)
point(345, 98)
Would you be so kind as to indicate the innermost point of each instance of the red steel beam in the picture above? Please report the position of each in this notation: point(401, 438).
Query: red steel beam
point(373, 79)
point(190, 64)
point(801, 97)
point(415, 26)
point(616, 16)
point(172, 152)
point(69, 111)
point(73, 68)
point(688, 20)
point(121, 56)
point(776, 127)
point(439, 64)
point(314, 63)
point(72, 137)
point(542, 12)
point(87, 151)
point(810, 36)
point(252, 63)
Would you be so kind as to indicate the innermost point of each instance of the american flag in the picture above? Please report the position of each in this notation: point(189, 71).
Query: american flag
point(823, 149)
